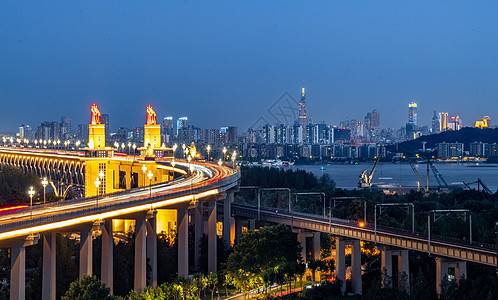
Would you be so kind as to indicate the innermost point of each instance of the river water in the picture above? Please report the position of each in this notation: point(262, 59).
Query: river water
point(346, 175)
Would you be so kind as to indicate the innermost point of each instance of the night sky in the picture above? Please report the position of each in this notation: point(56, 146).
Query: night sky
point(225, 63)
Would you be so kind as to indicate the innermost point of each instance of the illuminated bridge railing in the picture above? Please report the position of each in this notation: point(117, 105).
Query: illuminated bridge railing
point(222, 185)
point(448, 247)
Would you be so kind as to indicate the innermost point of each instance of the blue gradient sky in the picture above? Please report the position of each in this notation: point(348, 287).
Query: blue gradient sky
point(225, 62)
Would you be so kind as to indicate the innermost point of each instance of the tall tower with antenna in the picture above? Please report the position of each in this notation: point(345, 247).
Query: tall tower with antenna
point(302, 109)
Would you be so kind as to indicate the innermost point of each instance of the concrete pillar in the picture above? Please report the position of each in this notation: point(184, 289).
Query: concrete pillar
point(356, 267)
point(301, 237)
point(182, 236)
point(18, 272)
point(316, 252)
point(460, 270)
point(86, 251)
point(197, 235)
point(252, 224)
point(227, 219)
point(340, 261)
point(386, 262)
point(107, 254)
point(442, 266)
point(152, 248)
point(48, 277)
point(140, 278)
point(441, 273)
point(404, 267)
point(212, 238)
point(238, 229)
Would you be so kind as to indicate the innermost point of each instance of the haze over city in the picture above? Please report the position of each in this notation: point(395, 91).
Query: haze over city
point(212, 61)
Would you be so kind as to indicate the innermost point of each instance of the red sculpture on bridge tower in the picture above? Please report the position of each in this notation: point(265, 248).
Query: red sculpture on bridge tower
point(151, 116)
point(95, 114)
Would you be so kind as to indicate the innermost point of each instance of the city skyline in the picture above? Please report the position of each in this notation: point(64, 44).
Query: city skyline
point(211, 62)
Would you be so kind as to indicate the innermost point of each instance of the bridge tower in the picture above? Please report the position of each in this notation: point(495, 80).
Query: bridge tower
point(152, 138)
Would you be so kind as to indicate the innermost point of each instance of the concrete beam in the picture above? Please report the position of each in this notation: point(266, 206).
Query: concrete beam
point(49, 260)
point(107, 254)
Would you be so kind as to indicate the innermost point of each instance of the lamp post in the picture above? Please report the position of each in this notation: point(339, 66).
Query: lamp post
point(97, 184)
point(44, 183)
point(129, 145)
point(208, 148)
point(78, 144)
point(144, 169)
point(173, 163)
point(116, 145)
point(189, 158)
point(123, 147)
point(31, 192)
point(101, 176)
point(175, 146)
point(220, 162)
point(150, 183)
point(224, 152)
point(393, 204)
point(234, 156)
point(134, 147)
point(184, 150)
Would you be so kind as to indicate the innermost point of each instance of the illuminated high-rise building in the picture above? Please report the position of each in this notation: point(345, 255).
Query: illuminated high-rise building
point(412, 113)
point(168, 129)
point(435, 123)
point(181, 123)
point(302, 110)
point(443, 121)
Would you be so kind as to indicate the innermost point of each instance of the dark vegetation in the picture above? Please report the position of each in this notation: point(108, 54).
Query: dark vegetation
point(271, 254)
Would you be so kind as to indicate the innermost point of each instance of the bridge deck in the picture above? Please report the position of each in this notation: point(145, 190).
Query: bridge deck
point(483, 254)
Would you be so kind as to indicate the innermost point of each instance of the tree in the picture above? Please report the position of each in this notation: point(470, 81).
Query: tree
point(88, 288)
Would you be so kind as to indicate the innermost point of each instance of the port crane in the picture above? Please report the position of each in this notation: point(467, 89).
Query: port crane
point(366, 178)
point(439, 178)
point(479, 185)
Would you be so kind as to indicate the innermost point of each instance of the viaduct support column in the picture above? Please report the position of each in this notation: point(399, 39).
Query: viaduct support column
point(48, 277)
point(197, 234)
point(107, 254)
point(152, 246)
point(140, 278)
point(442, 266)
point(316, 252)
point(182, 234)
point(340, 261)
point(356, 267)
point(18, 272)
point(227, 219)
point(403, 266)
point(301, 237)
point(86, 250)
point(404, 269)
point(238, 230)
point(212, 238)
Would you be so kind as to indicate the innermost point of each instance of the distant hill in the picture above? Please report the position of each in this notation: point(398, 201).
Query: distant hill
point(466, 135)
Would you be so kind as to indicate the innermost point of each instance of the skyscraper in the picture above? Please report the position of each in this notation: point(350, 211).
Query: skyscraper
point(435, 123)
point(443, 121)
point(412, 113)
point(181, 123)
point(302, 110)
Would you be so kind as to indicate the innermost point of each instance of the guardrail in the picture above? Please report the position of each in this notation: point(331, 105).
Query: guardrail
point(225, 183)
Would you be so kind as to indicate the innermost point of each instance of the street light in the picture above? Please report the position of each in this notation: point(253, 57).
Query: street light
point(129, 145)
point(220, 162)
point(150, 183)
point(97, 184)
point(175, 146)
point(144, 169)
point(44, 183)
point(134, 147)
point(224, 152)
point(31, 192)
point(101, 176)
point(208, 148)
point(234, 156)
point(184, 150)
